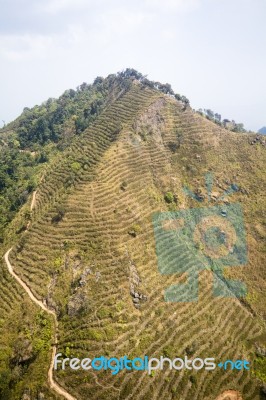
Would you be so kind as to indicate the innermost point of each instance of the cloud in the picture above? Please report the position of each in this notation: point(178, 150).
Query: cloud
point(53, 16)
point(56, 6)
point(18, 47)
point(173, 5)
point(40, 28)
point(122, 21)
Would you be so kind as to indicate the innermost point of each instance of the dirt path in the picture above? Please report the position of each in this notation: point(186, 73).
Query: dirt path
point(33, 201)
point(230, 395)
point(53, 385)
point(39, 303)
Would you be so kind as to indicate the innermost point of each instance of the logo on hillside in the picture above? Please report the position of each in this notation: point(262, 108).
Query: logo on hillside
point(196, 239)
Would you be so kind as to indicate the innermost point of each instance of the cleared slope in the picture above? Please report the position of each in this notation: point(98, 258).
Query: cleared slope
point(144, 145)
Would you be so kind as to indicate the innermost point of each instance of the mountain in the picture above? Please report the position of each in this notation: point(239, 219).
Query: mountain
point(89, 172)
point(262, 130)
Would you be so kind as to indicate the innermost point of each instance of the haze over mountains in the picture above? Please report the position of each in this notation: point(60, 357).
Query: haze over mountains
point(98, 163)
point(262, 130)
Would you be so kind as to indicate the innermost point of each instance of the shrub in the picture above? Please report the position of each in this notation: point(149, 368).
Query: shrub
point(123, 185)
point(75, 166)
point(60, 212)
point(94, 334)
point(169, 197)
point(134, 230)
point(173, 146)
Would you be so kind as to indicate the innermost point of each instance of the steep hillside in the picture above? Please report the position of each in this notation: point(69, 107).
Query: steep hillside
point(89, 252)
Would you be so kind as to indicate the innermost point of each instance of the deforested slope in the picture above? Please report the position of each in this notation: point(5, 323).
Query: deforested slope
point(90, 248)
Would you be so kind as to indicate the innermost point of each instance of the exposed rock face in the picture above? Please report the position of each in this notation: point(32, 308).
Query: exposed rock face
point(26, 396)
point(258, 140)
point(150, 124)
point(134, 281)
point(260, 351)
point(78, 302)
point(23, 351)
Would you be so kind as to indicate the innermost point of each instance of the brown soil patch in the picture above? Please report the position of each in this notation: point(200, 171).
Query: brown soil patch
point(230, 395)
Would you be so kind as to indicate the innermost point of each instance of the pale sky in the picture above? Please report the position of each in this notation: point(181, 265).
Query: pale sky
point(212, 51)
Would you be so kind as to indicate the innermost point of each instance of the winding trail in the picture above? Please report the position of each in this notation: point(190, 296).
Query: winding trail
point(33, 201)
point(39, 303)
point(53, 385)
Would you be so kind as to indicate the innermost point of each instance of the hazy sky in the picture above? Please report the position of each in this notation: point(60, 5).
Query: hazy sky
point(212, 51)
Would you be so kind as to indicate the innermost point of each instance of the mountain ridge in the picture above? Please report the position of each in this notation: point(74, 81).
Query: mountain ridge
point(90, 244)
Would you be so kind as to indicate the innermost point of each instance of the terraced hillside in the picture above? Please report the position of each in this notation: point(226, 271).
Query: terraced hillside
point(89, 253)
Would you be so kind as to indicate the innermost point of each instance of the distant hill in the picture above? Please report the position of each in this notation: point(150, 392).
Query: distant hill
point(262, 130)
